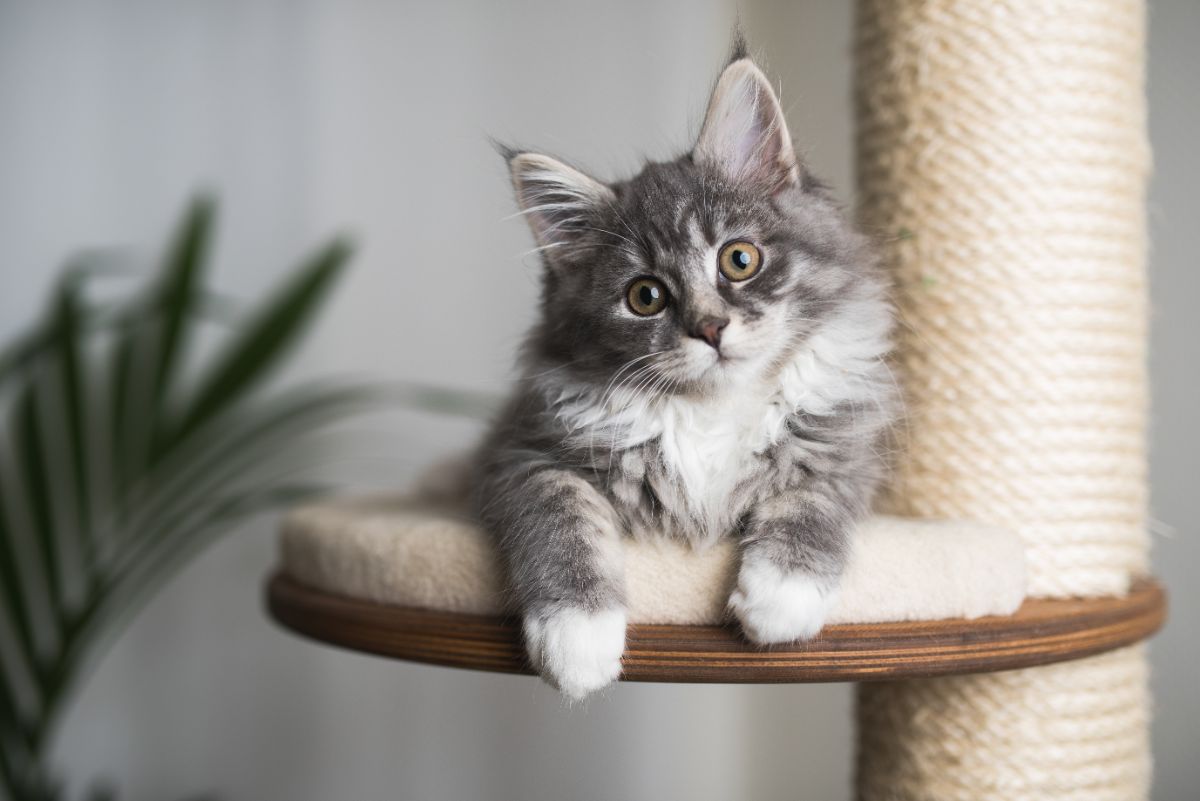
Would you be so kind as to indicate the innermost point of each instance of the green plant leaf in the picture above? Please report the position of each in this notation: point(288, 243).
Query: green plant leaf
point(12, 595)
point(29, 346)
point(165, 556)
point(177, 297)
point(32, 465)
point(14, 732)
point(226, 451)
point(443, 400)
point(123, 373)
point(149, 334)
point(67, 316)
point(8, 779)
point(139, 578)
point(15, 358)
point(266, 338)
point(106, 468)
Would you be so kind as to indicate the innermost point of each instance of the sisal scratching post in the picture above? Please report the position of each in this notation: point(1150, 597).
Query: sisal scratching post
point(1002, 155)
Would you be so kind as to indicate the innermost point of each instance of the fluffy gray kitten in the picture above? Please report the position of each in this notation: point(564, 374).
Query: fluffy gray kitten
point(708, 364)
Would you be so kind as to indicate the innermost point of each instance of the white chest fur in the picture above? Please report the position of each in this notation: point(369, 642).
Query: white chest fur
point(697, 452)
point(702, 452)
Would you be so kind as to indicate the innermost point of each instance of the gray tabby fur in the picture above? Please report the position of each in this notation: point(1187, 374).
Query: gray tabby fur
point(630, 426)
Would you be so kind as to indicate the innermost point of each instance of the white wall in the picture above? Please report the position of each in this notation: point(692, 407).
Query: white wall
point(313, 117)
point(1174, 86)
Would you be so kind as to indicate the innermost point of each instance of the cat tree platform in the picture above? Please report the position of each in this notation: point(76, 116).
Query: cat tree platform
point(416, 580)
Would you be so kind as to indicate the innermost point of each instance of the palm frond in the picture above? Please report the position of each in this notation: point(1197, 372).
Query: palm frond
point(179, 291)
point(73, 404)
point(33, 468)
point(256, 350)
point(226, 450)
point(115, 469)
point(15, 608)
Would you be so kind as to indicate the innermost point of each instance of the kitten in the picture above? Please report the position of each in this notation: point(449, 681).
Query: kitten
point(708, 363)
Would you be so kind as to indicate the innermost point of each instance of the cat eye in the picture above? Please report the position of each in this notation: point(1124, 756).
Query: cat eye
point(739, 260)
point(646, 296)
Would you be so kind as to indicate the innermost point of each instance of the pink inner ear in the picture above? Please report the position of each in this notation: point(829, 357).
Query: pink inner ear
point(759, 145)
point(554, 197)
point(744, 131)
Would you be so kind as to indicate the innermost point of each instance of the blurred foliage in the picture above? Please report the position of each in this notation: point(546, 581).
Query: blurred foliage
point(117, 464)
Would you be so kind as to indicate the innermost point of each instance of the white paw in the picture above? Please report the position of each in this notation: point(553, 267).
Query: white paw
point(778, 607)
point(578, 652)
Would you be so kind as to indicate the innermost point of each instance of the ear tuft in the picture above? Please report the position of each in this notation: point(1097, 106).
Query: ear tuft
point(744, 133)
point(738, 49)
point(557, 199)
point(506, 151)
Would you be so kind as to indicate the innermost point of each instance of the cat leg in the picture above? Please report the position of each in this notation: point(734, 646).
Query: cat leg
point(561, 547)
point(793, 547)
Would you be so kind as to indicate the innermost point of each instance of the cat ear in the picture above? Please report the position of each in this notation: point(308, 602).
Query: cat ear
point(744, 132)
point(555, 198)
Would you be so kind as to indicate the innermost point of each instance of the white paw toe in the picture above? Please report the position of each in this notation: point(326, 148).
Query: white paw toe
point(578, 652)
point(778, 607)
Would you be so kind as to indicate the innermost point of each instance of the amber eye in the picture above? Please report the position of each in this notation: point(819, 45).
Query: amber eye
point(739, 260)
point(647, 296)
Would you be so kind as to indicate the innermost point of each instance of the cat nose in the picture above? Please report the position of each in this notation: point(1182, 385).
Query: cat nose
point(709, 329)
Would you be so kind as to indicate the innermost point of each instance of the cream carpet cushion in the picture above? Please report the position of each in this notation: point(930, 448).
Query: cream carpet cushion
point(424, 551)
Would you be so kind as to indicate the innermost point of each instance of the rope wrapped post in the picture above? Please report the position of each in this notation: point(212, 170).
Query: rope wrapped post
point(1002, 154)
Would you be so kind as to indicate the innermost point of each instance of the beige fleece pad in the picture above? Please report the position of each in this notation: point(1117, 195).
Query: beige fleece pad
point(404, 551)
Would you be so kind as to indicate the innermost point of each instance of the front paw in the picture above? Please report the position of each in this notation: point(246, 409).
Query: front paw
point(576, 651)
point(778, 607)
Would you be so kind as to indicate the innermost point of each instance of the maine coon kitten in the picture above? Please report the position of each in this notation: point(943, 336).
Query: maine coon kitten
point(708, 363)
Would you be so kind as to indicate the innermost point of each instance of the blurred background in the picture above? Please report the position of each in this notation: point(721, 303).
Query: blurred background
point(310, 118)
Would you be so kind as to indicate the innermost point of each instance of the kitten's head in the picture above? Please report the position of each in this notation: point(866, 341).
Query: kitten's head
point(696, 274)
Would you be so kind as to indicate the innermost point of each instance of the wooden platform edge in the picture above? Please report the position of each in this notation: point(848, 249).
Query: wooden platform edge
point(1041, 632)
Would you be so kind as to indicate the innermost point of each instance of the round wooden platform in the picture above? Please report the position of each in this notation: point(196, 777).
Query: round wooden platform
point(1041, 632)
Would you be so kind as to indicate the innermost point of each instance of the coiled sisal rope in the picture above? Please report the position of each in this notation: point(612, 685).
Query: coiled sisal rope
point(1002, 155)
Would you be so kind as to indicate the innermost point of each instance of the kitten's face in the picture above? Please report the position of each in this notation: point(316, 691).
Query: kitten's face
point(695, 275)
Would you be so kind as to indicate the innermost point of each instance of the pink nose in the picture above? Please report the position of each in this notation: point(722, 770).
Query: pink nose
point(709, 329)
